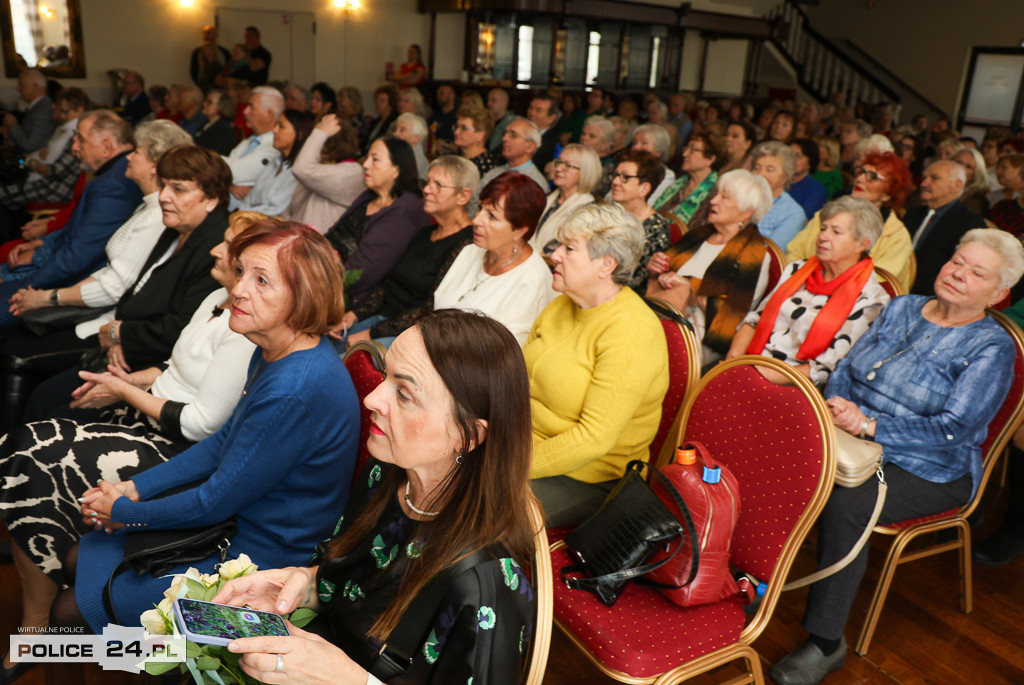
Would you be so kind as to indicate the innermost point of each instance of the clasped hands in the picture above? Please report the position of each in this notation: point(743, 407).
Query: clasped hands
point(27, 299)
point(97, 503)
point(306, 657)
point(846, 415)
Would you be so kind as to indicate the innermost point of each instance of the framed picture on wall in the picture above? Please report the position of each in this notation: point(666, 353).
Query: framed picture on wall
point(994, 92)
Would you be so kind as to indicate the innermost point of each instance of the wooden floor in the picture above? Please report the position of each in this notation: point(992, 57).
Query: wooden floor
point(922, 636)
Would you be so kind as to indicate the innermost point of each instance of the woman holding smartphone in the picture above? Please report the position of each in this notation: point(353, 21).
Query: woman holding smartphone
point(441, 509)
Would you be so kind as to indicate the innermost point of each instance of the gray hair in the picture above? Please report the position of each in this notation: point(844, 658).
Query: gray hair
point(589, 164)
point(270, 99)
point(300, 90)
point(659, 138)
point(774, 148)
point(106, 122)
point(662, 109)
point(1004, 244)
point(33, 77)
point(749, 190)
point(980, 181)
point(624, 127)
point(867, 220)
point(607, 128)
point(874, 143)
point(415, 122)
point(158, 136)
point(609, 231)
point(416, 97)
point(532, 133)
point(460, 170)
point(863, 127)
point(956, 171)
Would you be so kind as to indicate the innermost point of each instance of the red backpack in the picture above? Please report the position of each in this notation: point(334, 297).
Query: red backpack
point(713, 497)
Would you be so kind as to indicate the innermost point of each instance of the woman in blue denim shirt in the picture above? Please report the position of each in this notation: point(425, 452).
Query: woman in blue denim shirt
point(924, 381)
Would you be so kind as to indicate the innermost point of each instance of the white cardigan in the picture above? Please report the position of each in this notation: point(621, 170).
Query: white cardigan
point(206, 371)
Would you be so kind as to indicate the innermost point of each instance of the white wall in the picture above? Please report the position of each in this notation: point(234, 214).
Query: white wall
point(156, 37)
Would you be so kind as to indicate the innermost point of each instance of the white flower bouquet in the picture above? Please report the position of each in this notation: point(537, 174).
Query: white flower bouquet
point(208, 664)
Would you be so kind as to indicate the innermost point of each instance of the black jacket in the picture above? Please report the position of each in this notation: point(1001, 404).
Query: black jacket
point(152, 318)
point(940, 243)
point(220, 136)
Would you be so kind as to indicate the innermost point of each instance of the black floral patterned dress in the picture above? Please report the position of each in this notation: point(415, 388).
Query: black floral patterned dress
point(485, 620)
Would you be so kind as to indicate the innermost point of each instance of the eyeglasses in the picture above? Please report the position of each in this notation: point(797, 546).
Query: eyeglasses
point(870, 175)
point(565, 163)
point(429, 183)
point(623, 177)
point(462, 128)
point(694, 148)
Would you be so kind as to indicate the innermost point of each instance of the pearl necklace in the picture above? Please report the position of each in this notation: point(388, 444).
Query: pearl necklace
point(408, 501)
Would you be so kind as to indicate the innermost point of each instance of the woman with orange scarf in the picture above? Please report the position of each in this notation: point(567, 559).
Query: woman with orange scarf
point(824, 304)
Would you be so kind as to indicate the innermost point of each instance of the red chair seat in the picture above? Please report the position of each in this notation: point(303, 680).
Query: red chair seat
point(630, 637)
point(924, 519)
point(556, 534)
point(43, 206)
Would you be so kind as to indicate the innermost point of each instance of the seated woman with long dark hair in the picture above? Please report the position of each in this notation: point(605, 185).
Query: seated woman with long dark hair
point(408, 291)
point(924, 382)
point(450, 441)
point(376, 228)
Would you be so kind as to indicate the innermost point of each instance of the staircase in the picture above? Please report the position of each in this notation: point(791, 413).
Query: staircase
point(824, 66)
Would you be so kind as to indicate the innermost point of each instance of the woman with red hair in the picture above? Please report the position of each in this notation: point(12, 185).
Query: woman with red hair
point(883, 179)
point(500, 274)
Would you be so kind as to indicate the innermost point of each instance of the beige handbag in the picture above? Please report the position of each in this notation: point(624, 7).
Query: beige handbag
point(856, 461)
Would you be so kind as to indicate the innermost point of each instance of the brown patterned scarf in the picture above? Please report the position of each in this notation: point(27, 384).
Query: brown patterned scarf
point(729, 281)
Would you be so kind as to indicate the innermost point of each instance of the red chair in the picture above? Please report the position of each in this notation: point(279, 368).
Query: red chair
point(1000, 431)
point(779, 443)
point(776, 265)
point(365, 364)
point(889, 282)
point(677, 229)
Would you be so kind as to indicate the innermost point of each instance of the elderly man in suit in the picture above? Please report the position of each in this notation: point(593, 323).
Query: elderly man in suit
point(102, 142)
point(255, 152)
point(936, 226)
point(37, 123)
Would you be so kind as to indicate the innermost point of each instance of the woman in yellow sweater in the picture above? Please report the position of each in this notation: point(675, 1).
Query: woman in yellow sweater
point(598, 366)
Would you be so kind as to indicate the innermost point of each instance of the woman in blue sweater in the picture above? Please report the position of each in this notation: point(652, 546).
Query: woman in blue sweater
point(283, 462)
point(924, 382)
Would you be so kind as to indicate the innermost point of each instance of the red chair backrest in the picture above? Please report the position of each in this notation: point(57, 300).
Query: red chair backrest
point(778, 442)
point(775, 266)
point(1008, 416)
point(683, 374)
point(366, 375)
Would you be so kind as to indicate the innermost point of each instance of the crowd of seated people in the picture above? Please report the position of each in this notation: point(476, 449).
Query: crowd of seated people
point(164, 316)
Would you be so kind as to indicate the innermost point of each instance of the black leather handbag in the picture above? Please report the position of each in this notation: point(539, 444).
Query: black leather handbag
point(614, 545)
point(157, 551)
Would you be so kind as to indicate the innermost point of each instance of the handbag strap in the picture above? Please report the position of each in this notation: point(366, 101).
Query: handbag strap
point(395, 655)
point(632, 573)
point(883, 488)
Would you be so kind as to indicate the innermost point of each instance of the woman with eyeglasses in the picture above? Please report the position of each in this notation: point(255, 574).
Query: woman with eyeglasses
point(376, 228)
point(632, 184)
point(577, 173)
point(702, 157)
point(472, 129)
point(883, 179)
point(408, 291)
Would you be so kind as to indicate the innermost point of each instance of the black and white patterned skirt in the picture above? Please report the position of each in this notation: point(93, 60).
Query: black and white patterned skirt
point(46, 466)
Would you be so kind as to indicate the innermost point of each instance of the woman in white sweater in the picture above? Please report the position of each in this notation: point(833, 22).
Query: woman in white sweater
point(500, 274)
point(329, 176)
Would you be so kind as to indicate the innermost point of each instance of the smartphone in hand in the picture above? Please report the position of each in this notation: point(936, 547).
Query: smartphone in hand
point(219, 624)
